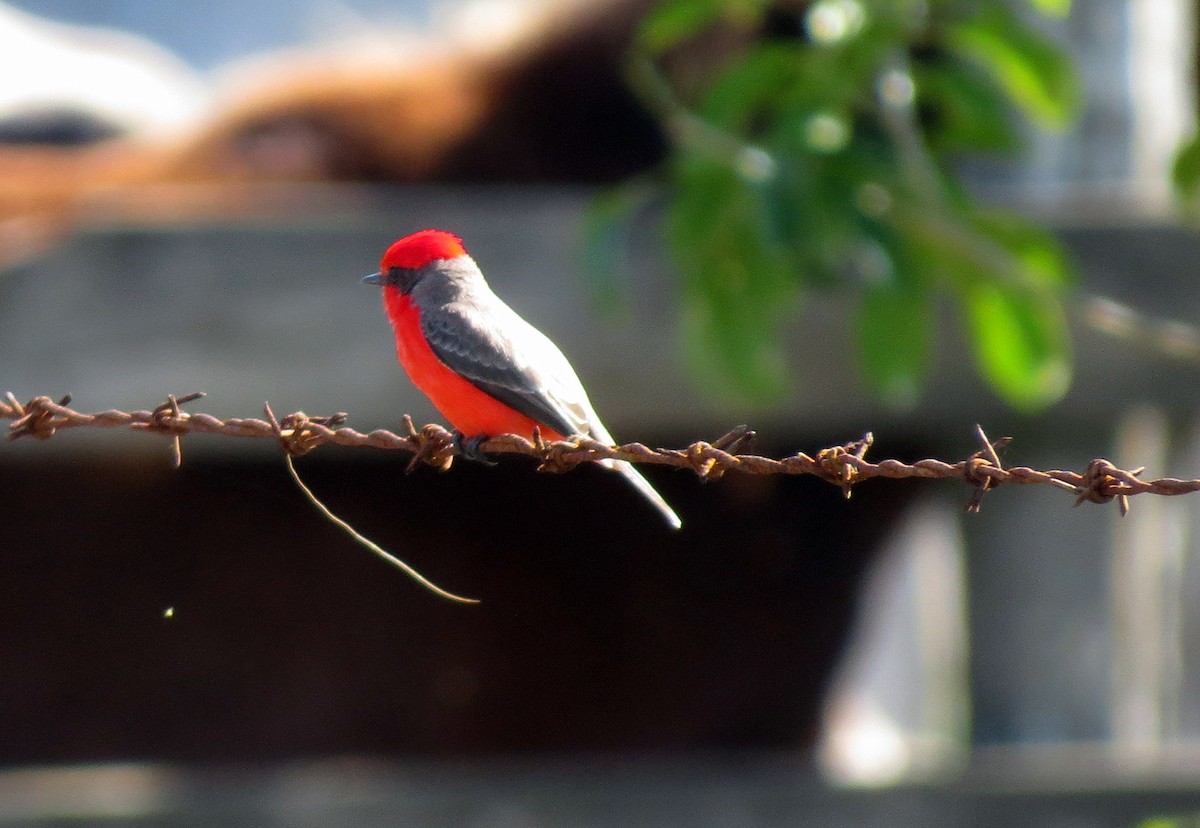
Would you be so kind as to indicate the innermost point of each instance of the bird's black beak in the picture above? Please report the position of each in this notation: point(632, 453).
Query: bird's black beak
point(373, 279)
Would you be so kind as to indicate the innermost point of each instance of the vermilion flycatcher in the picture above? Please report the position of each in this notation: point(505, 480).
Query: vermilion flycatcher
point(484, 367)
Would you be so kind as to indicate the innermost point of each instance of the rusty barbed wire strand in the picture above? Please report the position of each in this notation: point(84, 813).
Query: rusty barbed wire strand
point(844, 466)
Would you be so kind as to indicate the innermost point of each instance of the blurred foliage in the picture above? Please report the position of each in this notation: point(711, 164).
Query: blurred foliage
point(1186, 176)
point(821, 152)
point(1170, 822)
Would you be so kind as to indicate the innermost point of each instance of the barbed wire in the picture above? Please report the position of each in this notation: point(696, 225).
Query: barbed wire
point(844, 466)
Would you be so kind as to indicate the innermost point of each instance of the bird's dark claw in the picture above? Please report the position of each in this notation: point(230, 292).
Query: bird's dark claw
point(469, 447)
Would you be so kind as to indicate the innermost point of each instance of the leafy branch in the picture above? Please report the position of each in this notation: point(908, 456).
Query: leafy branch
point(823, 153)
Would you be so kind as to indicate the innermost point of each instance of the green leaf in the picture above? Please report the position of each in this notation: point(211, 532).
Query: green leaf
point(1052, 8)
point(1042, 260)
point(673, 21)
point(963, 108)
point(739, 286)
point(1036, 73)
point(703, 190)
point(895, 325)
point(729, 339)
point(1021, 343)
point(1185, 172)
point(948, 248)
point(1165, 822)
point(751, 86)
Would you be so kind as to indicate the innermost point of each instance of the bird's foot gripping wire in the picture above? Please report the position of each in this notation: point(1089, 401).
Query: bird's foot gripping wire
point(468, 447)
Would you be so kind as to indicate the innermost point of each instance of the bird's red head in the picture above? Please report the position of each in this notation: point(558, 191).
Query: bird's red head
point(420, 249)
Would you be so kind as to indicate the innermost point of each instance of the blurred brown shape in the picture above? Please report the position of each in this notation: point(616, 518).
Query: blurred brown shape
point(550, 107)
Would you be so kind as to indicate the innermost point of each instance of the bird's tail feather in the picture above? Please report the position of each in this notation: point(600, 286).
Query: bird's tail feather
point(643, 485)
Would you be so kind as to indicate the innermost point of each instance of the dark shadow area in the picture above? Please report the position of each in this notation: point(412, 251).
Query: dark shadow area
point(211, 614)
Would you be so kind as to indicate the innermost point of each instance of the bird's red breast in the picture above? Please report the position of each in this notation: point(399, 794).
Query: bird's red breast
point(470, 410)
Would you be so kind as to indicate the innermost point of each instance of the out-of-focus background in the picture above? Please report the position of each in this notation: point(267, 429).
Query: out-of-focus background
point(818, 218)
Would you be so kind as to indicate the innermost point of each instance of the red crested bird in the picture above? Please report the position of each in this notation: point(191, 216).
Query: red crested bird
point(484, 367)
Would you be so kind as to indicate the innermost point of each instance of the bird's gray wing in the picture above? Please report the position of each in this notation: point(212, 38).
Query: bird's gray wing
point(502, 355)
point(502, 365)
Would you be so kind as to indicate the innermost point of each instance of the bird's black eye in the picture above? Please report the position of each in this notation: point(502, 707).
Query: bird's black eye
point(403, 278)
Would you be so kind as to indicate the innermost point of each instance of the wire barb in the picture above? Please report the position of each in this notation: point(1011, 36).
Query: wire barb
point(844, 466)
point(1102, 482)
point(841, 465)
point(170, 420)
point(980, 460)
point(36, 418)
